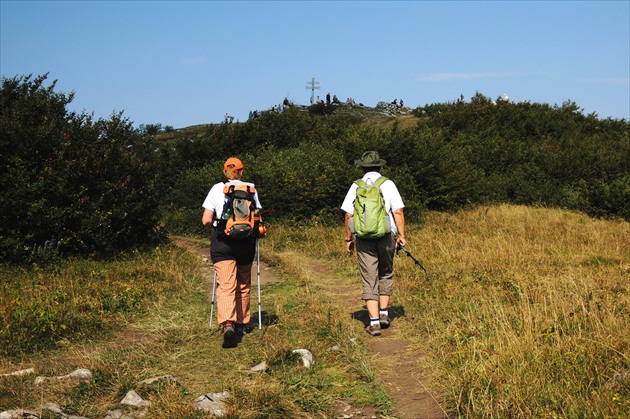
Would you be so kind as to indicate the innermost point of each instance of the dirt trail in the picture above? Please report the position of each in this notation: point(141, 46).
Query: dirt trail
point(398, 365)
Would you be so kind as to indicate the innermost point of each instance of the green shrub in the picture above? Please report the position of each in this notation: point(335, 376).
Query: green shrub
point(181, 209)
point(307, 182)
point(458, 154)
point(89, 186)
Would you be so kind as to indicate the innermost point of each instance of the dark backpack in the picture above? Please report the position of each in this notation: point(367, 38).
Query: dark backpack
point(238, 220)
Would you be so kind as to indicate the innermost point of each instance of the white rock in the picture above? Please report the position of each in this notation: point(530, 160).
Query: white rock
point(53, 407)
point(18, 414)
point(260, 367)
point(20, 372)
point(80, 373)
point(133, 399)
point(307, 356)
point(212, 402)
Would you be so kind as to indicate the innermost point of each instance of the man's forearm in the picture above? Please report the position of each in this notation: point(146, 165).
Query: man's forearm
point(399, 219)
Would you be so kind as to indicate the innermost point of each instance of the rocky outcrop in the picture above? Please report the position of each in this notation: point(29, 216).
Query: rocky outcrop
point(392, 109)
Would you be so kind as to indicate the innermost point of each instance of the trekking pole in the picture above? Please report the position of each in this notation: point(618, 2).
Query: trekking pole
point(214, 284)
point(404, 249)
point(258, 274)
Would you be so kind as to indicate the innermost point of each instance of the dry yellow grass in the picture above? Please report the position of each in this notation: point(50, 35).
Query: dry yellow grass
point(527, 311)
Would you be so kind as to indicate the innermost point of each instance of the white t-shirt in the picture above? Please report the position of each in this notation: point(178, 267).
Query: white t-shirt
point(393, 200)
point(215, 199)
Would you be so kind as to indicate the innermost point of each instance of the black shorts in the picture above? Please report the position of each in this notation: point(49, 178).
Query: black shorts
point(224, 248)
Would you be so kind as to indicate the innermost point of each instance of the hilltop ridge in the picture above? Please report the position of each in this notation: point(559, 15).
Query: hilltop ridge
point(382, 114)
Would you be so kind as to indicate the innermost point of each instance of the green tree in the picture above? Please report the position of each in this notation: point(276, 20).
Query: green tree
point(89, 187)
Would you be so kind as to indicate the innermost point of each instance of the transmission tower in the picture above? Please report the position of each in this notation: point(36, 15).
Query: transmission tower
point(312, 85)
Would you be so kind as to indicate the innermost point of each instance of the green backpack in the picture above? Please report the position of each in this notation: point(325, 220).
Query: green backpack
point(370, 219)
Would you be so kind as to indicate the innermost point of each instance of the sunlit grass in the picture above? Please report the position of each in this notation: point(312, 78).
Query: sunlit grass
point(525, 310)
point(167, 334)
point(525, 313)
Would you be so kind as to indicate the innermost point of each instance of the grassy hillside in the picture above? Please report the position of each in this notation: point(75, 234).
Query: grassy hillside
point(525, 313)
point(358, 114)
point(443, 157)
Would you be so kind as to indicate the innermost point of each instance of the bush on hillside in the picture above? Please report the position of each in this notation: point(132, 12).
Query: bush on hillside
point(97, 186)
point(181, 207)
point(304, 183)
point(458, 154)
point(533, 153)
point(308, 182)
point(77, 185)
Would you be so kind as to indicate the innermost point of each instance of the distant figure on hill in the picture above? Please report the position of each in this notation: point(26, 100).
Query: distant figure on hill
point(327, 98)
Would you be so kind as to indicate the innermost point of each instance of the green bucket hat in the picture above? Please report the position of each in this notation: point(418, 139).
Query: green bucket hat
point(370, 159)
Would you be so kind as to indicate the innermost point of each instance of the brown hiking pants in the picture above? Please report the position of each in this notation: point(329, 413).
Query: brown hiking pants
point(376, 264)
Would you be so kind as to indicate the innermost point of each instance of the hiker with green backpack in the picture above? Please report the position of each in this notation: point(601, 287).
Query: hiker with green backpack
point(374, 216)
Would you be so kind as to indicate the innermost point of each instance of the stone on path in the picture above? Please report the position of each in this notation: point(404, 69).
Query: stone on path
point(212, 402)
point(307, 356)
point(133, 399)
point(81, 373)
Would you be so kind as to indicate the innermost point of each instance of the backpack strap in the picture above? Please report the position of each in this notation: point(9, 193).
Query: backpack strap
point(360, 183)
point(217, 217)
point(380, 181)
point(378, 184)
point(230, 187)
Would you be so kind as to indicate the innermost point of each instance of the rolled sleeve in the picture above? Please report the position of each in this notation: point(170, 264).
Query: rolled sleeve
point(348, 202)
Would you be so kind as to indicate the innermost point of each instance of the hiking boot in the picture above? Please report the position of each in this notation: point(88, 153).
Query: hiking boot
point(384, 320)
point(241, 329)
point(229, 336)
point(228, 330)
point(229, 342)
point(374, 329)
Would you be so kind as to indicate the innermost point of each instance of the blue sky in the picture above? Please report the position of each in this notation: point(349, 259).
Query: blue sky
point(183, 63)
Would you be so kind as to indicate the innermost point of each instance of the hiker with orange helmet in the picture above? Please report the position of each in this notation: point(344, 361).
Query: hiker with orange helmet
point(232, 257)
